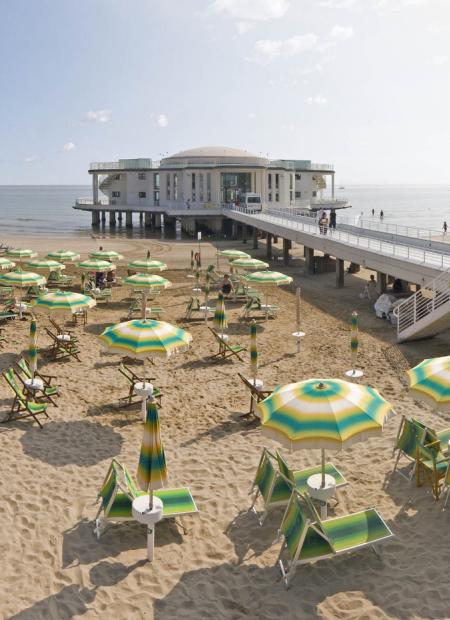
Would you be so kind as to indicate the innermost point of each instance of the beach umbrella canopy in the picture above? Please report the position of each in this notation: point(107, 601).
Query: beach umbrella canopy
point(429, 381)
point(32, 348)
point(64, 301)
point(152, 470)
point(323, 413)
point(264, 278)
point(20, 253)
point(142, 265)
point(145, 338)
point(220, 316)
point(253, 352)
point(96, 265)
point(6, 264)
point(21, 279)
point(108, 255)
point(233, 254)
point(249, 263)
point(147, 280)
point(65, 256)
point(46, 264)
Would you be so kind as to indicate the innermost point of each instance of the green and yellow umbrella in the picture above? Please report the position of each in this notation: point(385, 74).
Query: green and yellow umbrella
point(146, 281)
point(249, 264)
point(96, 265)
point(354, 345)
point(429, 381)
point(20, 253)
point(21, 279)
point(323, 413)
point(267, 279)
point(152, 470)
point(6, 264)
point(108, 255)
point(233, 254)
point(220, 316)
point(64, 301)
point(65, 256)
point(143, 265)
point(45, 264)
point(32, 348)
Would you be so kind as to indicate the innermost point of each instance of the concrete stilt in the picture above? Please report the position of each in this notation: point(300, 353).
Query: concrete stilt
point(255, 238)
point(103, 216)
point(286, 247)
point(119, 216)
point(244, 233)
point(309, 260)
point(269, 246)
point(112, 218)
point(381, 282)
point(141, 217)
point(129, 219)
point(95, 218)
point(339, 273)
point(148, 220)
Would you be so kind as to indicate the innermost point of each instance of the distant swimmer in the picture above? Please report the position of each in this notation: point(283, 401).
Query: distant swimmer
point(381, 214)
point(373, 212)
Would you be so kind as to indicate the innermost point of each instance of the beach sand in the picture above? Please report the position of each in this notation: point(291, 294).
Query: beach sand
point(224, 567)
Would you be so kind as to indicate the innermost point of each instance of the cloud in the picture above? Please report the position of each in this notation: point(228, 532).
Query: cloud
point(98, 116)
point(251, 115)
point(267, 50)
point(439, 60)
point(316, 100)
point(341, 33)
point(69, 146)
point(243, 27)
point(32, 159)
point(251, 10)
point(160, 120)
point(382, 7)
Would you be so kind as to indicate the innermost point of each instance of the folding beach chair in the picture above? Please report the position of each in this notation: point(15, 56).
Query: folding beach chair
point(214, 276)
point(256, 395)
point(306, 538)
point(61, 331)
point(98, 294)
point(432, 464)
point(446, 487)
point(49, 391)
point(61, 347)
point(193, 305)
point(442, 436)
point(132, 379)
point(410, 435)
point(119, 490)
point(59, 280)
point(275, 480)
point(23, 406)
point(226, 350)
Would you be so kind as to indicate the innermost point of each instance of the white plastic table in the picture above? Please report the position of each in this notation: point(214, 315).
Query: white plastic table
point(142, 514)
point(63, 337)
point(34, 384)
point(321, 493)
point(144, 390)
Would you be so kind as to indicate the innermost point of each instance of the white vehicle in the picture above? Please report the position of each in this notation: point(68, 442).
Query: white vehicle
point(252, 202)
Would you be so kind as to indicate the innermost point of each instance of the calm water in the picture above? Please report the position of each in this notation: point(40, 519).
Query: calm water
point(47, 210)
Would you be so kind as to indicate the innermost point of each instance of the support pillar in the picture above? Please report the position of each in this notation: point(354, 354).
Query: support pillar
point(244, 233)
point(381, 282)
point(119, 216)
point(141, 217)
point(157, 220)
point(286, 247)
point(255, 238)
point(148, 220)
point(95, 218)
point(332, 185)
point(269, 246)
point(95, 188)
point(339, 273)
point(112, 218)
point(129, 219)
point(103, 217)
point(309, 260)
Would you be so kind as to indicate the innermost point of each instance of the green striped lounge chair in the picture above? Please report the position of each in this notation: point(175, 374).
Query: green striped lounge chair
point(193, 305)
point(432, 463)
point(132, 379)
point(409, 437)
point(446, 486)
point(22, 406)
point(442, 436)
point(275, 481)
point(307, 539)
point(119, 490)
point(50, 391)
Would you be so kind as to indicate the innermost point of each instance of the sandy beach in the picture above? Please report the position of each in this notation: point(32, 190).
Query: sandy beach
point(54, 568)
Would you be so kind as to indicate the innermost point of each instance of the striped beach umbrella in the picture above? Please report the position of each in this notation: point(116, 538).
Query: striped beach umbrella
point(323, 413)
point(220, 316)
point(207, 291)
point(429, 381)
point(20, 254)
point(249, 264)
point(64, 301)
point(146, 281)
point(96, 265)
point(253, 352)
point(45, 264)
point(267, 279)
point(64, 256)
point(6, 264)
point(21, 279)
point(32, 348)
point(143, 265)
point(233, 254)
point(108, 255)
point(152, 470)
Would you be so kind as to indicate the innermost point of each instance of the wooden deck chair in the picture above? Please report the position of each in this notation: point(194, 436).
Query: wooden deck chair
point(98, 294)
point(226, 350)
point(307, 539)
point(432, 464)
point(256, 396)
point(23, 406)
point(6, 293)
point(62, 348)
point(193, 305)
point(446, 487)
point(119, 490)
point(49, 391)
point(60, 330)
point(132, 379)
point(60, 280)
point(274, 481)
point(214, 276)
point(410, 435)
point(442, 436)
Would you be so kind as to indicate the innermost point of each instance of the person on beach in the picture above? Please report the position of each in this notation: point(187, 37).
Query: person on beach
point(370, 289)
point(227, 285)
point(381, 214)
point(444, 227)
point(332, 219)
point(373, 212)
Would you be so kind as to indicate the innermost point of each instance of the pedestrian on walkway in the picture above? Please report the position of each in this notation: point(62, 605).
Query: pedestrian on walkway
point(332, 223)
point(444, 227)
point(381, 214)
point(373, 212)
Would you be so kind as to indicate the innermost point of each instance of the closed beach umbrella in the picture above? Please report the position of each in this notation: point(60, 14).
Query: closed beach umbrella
point(354, 344)
point(253, 352)
point(146, 281)
point(64, 301)
point(45, 264)
point(6, 264)
point(192, 260)
point(143, 265)
point(267, 279)
point(32, 349)
point(323, 413)
point(20, 254)
point(65, 256)
point(21, 279)
point(249, 264)
point(429, 381)
point(96, 265)
point(207, 290)
point(220, 316)
point(152, 471)
point(109, 255)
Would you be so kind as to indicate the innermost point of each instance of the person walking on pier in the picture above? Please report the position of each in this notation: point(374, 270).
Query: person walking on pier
point(381, 214)
point(332, 219)
point(444, 228)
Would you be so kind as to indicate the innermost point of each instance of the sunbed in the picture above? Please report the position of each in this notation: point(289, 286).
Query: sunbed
point(226, 350)
point(48, 390)
point(256, 395)
point(23, 406)
point(133, 379)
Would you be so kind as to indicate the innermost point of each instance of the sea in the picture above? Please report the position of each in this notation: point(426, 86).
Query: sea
point(46, 210)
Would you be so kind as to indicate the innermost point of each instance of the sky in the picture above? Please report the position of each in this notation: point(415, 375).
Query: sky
point(361, 84)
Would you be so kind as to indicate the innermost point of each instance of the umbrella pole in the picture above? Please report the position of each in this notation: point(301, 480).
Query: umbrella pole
point(150, 501)
point(323, 469)
point(267, 306)
point(20, 303)
point(144, 304)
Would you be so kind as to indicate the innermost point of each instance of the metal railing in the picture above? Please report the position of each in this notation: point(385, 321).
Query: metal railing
point(423, 303)
point(90, 202)
point(119, 165)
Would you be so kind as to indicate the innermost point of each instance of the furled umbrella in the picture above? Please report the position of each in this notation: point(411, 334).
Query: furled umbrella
point(429, 381)
point(354, 344)
point(64, 256)
point(32, 348)
point(267, 279)
point(207, 291)
point(144, 282)
point(253, 352)
point(21, 279)
point(220, 315)
point(325, 414)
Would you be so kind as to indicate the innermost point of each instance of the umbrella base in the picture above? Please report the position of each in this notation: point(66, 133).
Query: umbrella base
point(142, 514)
point(354, 374)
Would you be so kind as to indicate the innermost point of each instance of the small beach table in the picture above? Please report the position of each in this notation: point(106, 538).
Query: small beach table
point(321, 493)
point(144, 390)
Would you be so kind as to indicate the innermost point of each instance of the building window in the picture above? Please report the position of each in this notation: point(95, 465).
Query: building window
point(116, 177)
point(298, 194)
point(291, 181)
point(270, 196)
point(156, 197)
point(175, 186)
point(291, 196)
point(269, 181)
point(277, 197)
point(200, 187)
point(193, 197)
point(208, 186)
point(168, 186)
point(277, 181)
point(142, 194)
point(156, 180)
point(142, 176)
point(314, 194)
point(115, 194)
point(298, 177)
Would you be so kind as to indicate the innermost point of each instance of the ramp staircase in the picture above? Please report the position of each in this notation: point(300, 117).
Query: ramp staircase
point(107, 181)
point(427, 312)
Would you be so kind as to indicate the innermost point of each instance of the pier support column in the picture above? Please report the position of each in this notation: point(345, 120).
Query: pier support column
point(129, 219)
point(103, 216)
point(112, 218)
point(309, 260)
point(339, 273)
point(269, 246)
point(286, 247)
point(148, 220)
point(95, 188)
point(381, 282)
point(95, 218)
point(141, 217)
point(119, 216)
point(244, 233)
point(255, 238)
point(157, 220)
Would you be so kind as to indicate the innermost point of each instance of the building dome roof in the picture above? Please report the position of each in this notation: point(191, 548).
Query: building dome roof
point(219, 155)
